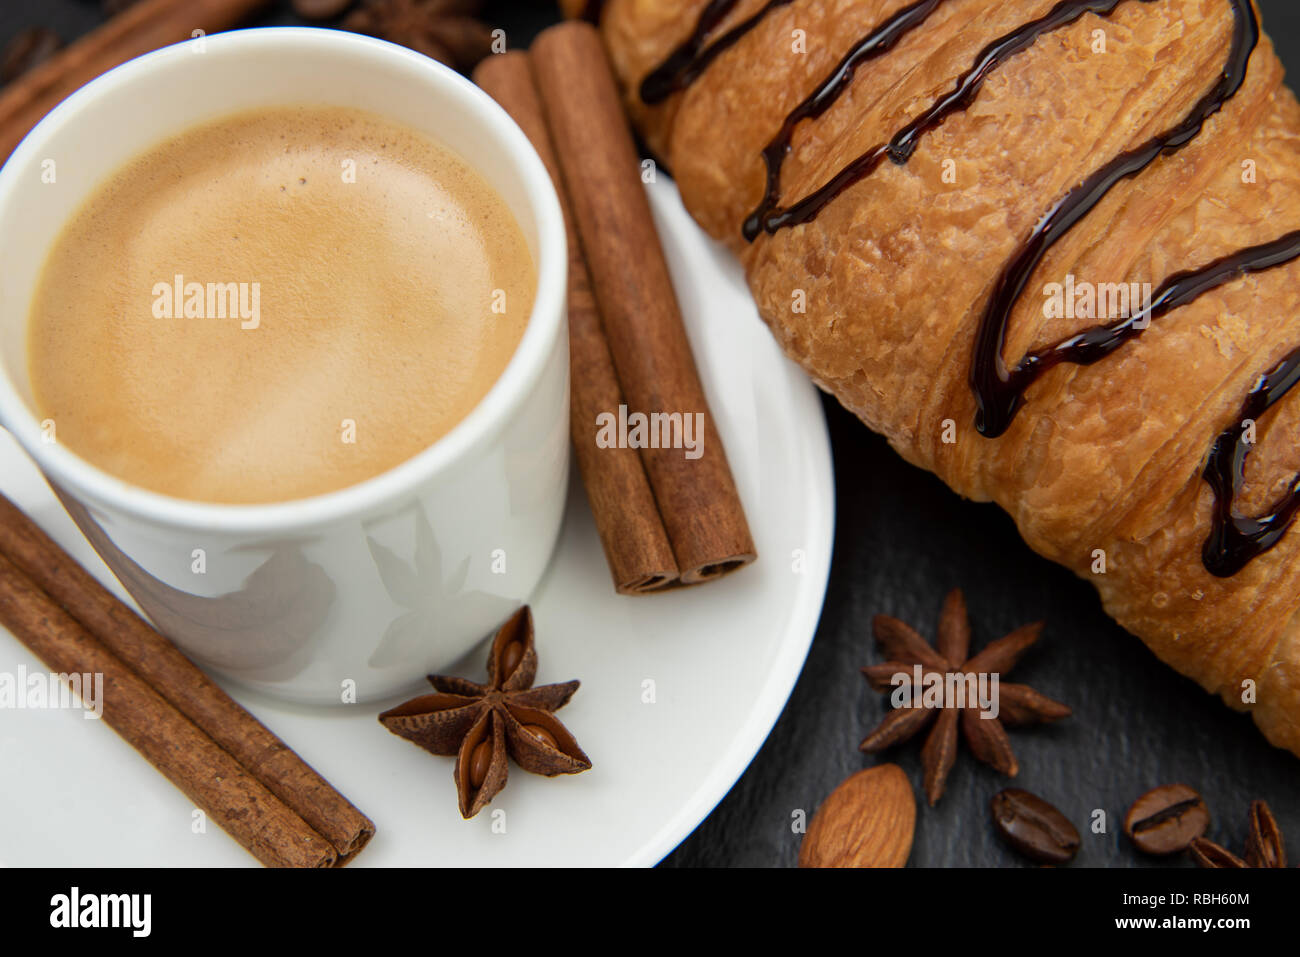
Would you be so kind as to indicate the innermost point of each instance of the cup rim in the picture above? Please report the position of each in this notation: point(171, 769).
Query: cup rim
point(488, 417)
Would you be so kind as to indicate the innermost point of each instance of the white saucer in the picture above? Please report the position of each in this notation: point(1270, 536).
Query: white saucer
point(678, 690)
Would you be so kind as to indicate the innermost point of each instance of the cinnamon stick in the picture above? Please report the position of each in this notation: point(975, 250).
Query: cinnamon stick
point(697, 497)
point(160, 664)
point(142, 27)
point(210, 777)
point(627, 518)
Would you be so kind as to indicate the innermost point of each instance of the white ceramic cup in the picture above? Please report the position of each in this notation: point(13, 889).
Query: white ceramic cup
point(361, 590)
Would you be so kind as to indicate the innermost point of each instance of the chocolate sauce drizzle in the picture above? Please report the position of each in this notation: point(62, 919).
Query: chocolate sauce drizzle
point(1000, 392)
point(1096, 343)
point(685, 64)
point(875, 44)
point(1234, 541)
point(770, 217)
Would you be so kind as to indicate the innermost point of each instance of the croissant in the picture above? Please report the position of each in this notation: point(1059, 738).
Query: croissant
point(1051, 250)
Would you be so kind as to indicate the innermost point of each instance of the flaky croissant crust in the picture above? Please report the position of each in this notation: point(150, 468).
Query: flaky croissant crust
point(880, 296)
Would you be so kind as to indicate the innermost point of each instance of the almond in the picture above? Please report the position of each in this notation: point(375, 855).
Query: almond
point(866, 822)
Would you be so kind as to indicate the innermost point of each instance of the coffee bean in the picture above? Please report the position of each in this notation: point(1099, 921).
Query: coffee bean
point(1167, 819)
point(320, 9)
point(28, 49)
point(1033, 827)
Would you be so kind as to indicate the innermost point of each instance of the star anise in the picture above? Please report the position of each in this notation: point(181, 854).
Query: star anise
point(1264, 844)
point(481, 724)
point(947, 662)
point(446, 30)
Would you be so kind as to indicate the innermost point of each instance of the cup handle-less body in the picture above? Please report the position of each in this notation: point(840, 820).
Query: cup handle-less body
point(362, 591)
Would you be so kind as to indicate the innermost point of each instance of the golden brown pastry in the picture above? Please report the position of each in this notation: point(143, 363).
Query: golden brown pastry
point(982, 185)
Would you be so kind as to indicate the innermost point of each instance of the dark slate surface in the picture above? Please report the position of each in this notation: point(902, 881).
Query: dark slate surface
point(902, 540)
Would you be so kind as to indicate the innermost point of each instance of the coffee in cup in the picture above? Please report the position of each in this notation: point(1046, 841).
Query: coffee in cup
point(276, 305)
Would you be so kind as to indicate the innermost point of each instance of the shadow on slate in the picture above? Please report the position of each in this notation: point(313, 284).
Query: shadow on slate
point(902, 541)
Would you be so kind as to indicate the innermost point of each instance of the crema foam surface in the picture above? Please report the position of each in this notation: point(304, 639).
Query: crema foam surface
point(277, 305)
